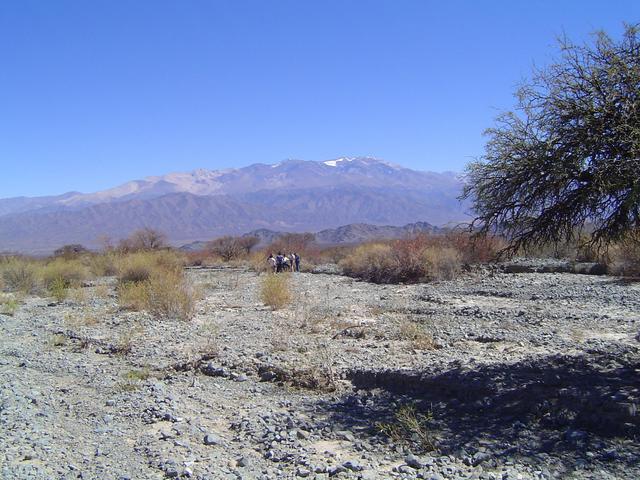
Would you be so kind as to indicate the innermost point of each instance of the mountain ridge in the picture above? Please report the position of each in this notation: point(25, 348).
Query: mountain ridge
point(294, 195)
point(352, 233)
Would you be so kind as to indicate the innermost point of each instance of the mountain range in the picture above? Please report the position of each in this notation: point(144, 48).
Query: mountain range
point(345, 235)
point(292, 195)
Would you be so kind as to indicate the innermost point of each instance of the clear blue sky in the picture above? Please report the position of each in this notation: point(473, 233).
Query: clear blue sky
point(95, 93)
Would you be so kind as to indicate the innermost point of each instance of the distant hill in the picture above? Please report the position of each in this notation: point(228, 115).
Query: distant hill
point(344, 235)
point(292, 196)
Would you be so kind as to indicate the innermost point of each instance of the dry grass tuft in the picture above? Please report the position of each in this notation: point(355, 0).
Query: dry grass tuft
point(9, 304)
point(133, 295)
point(171, 295)
point(416, 335)
point(275, 291)
point(58, 289)
point(410, 426)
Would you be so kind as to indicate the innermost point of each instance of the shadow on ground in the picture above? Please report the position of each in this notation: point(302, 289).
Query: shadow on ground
point(576, 408)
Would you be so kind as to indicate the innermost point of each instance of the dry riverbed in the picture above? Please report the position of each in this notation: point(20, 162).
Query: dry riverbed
point(491, 376)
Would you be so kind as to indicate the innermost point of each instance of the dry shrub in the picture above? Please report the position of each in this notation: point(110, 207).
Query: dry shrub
point(171, 295)
point(103, 265)
point(625, 256)
point(19, 274)
point(275, 291)
point(170, 259)
point(402, 261)
point(474, 249)
point(61, 271)
point(133, 295)
point(197, 258)
point(372, 262)
point(258, 262)
point(138, 267)
point(334, 254)
point(155, 281)
point(443, 263)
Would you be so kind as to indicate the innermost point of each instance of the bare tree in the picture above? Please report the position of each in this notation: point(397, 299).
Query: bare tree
point(144, 239)
point(227, 247)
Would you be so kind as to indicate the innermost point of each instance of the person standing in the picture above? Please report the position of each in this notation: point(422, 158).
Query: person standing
point(279, 262)
point(297, 257)
point(272, 263)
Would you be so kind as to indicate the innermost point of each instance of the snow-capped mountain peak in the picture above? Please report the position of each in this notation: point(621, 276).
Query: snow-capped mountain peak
point(334, 163)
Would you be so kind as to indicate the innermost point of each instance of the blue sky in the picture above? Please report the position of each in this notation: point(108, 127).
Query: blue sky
point(93, 94)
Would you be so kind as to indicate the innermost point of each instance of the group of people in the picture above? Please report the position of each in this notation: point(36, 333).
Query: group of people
point(284, 263)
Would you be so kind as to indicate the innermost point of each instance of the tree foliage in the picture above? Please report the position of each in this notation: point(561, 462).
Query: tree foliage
point(568, 157)
point(70, 251)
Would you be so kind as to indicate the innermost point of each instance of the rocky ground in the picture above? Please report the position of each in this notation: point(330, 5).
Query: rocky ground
point(491, 376)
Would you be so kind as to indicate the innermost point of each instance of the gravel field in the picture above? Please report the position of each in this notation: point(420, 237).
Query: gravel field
point(491, 376)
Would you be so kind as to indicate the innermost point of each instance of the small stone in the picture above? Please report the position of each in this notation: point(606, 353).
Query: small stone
point(303, 472)
point(211, 439)
point(345, 435)
point(479, 457)
point(171, 472)
point(353, 465)
point(302, 434)
point(335, 470)
point(243, 462)
point(413, 461)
